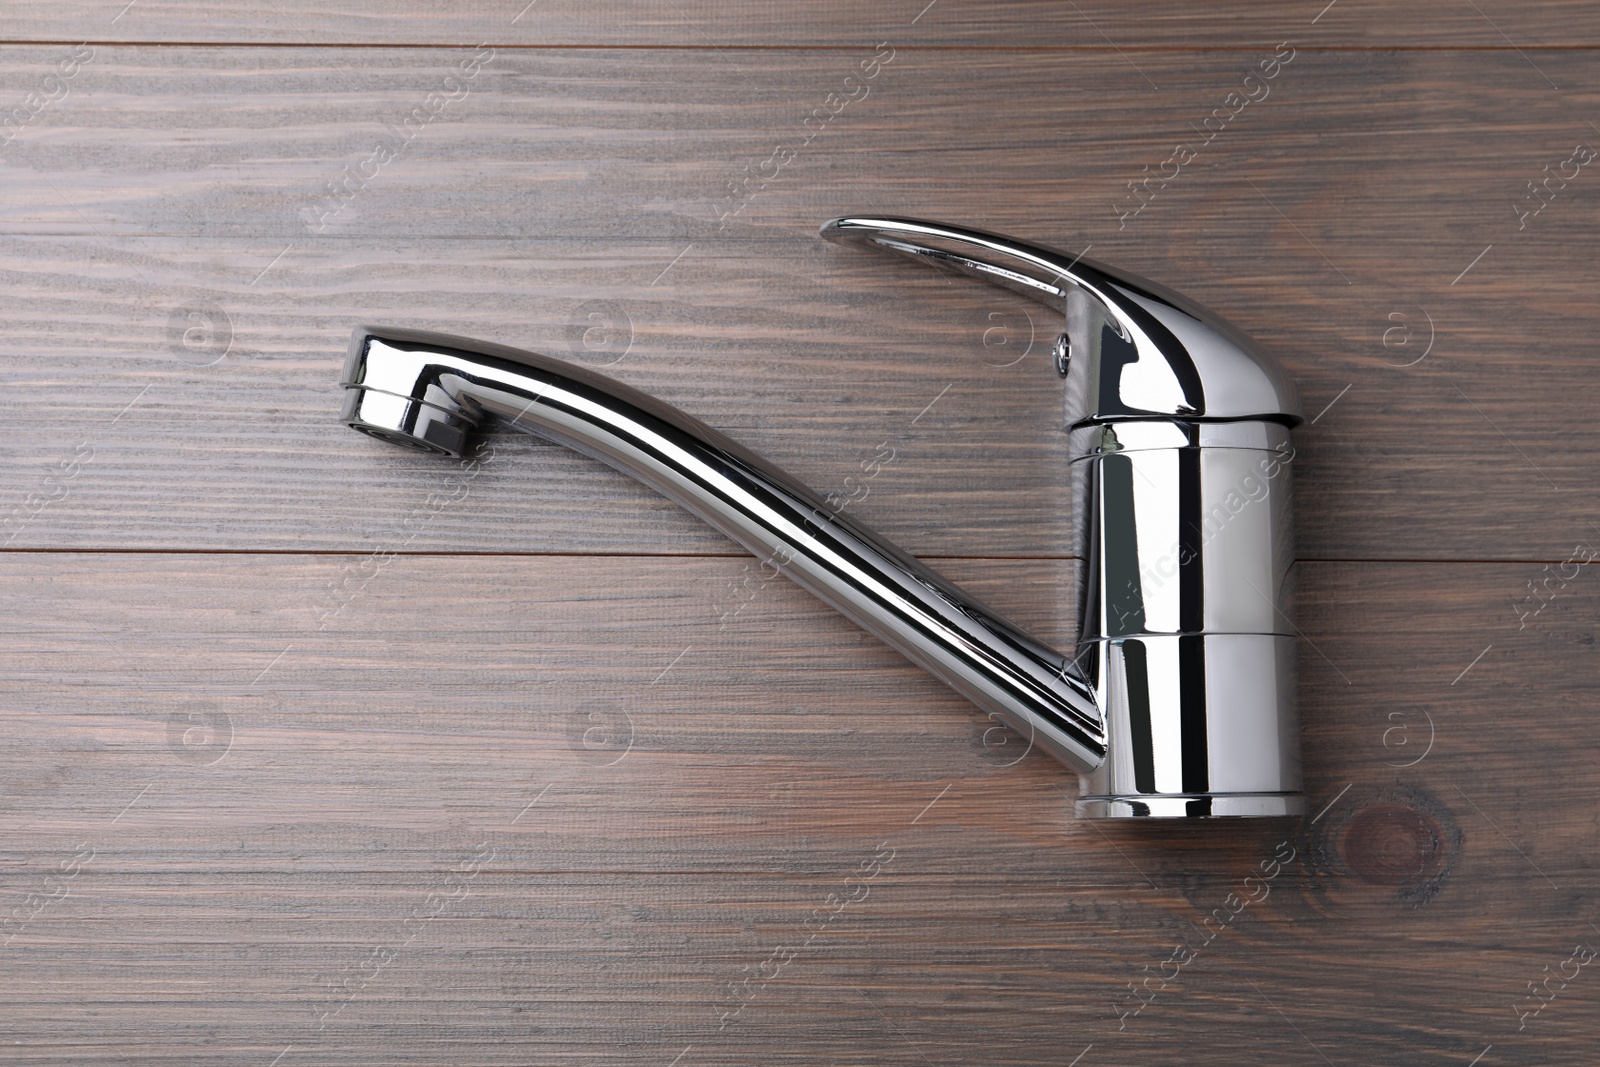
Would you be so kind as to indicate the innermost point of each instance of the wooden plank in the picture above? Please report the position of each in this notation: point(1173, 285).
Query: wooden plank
point(1007, 23)
point(129, 210)
point(591, 143)
point(395, 840)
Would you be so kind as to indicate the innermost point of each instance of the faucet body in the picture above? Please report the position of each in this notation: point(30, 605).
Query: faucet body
point(1177, 702)
point(1186, 555)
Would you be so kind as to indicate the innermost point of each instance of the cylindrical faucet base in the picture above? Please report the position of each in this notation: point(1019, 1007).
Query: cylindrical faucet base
point(1197, 727)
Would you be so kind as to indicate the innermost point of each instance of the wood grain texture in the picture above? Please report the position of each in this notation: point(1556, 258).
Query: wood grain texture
point(1093, 24)
point(564, 780)
point(531, 809)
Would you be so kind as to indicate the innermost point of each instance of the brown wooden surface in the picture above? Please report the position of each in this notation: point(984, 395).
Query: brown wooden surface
point(566, 782)
point(1101, 24)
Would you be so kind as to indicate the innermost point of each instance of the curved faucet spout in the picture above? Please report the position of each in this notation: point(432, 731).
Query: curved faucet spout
point(428, 391)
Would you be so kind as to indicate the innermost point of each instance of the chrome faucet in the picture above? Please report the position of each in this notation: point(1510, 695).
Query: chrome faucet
point(1179, 702)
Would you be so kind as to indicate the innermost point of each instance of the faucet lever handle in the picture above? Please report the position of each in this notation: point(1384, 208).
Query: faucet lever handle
point(1139, 350)
point(1029, 269)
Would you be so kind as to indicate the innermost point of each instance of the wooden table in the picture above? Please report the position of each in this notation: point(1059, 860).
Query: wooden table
point(319, 752)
